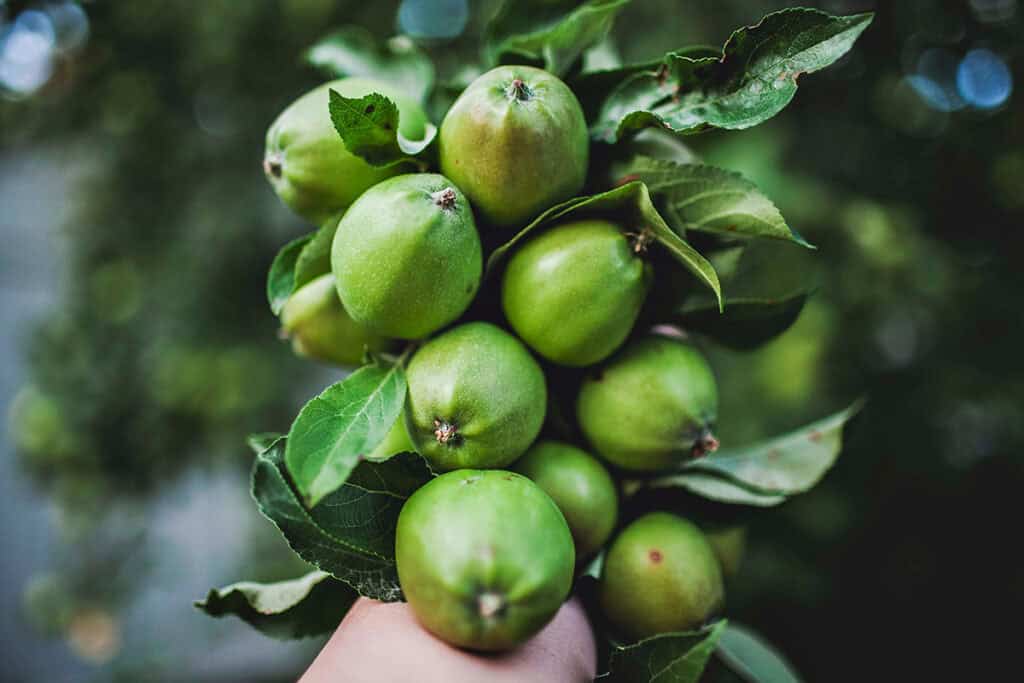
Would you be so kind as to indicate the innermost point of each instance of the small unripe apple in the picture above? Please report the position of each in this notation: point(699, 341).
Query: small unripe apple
point(477, 398)
point(320, 328)
point(307, 162)
point(651, 406)
point(516, 142)
point(660, 575)
point(574, 292)
point(484, 558)
point(581, 487)
point(407, 257)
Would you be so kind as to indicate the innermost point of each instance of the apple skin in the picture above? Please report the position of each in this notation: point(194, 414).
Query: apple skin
point(574, 292)
point(485, 558)
point(406, 257)
point(320, 328)
point(651, 406)
point(306, 161)
point(516, 142)
point(581, 487)
point(477, 398)
point(660, 575)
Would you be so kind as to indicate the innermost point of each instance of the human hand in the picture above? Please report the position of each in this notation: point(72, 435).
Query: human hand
point(382, 643)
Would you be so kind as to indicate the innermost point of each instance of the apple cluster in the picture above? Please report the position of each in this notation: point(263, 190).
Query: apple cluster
point(486, 552)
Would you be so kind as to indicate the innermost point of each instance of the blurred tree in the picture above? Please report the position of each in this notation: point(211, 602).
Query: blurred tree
point(162, 353)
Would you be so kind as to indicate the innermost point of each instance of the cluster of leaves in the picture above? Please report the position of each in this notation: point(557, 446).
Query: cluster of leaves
point(753, 275)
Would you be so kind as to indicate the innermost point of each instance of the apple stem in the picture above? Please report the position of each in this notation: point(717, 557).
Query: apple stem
point(272, 165)
point(490, 604)
point(444, 198)
point(517, 90)
point(639, 241)
point(445, 431)
point(704, 444)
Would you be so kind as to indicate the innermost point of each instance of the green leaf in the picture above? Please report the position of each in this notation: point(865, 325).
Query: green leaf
point(369, 128)
point(682, 251)
point(716, 488)
point(341, 425)
point(665, 658)
point(631, 204)
point(711, 199)
point(753, 80)
point(307, 606)
point(354, 51)
point(769, 472)
point(281, 278)
point(745, 326)
point(638, 151)
point(262, 441)
point(752, 658)
point(787, 464)
point(764, 291)
point(351, 534)
point(315, 258)
point(552, 34)
point(298, 262)
point(592, 87)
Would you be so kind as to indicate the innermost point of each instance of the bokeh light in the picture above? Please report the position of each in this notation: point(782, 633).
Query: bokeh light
point(31, 45)
point(26, 53)
point(983, 79)
point(935, 79)
point(433, 19)
point(70, 24)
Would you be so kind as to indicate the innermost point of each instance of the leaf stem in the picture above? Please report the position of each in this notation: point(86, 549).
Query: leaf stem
point(402, 357)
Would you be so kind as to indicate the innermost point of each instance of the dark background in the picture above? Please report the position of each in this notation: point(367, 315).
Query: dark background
point(138, 349)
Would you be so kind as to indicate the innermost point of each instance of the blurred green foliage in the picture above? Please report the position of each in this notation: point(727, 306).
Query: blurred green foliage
point(162, 352)
point(901, 548)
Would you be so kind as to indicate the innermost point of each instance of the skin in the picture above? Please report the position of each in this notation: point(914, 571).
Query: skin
point(574, 292)
point(477, 398)
point(660, 575)
point(651, 406)
point(407, 257)
point(580, 486)
point(320, 328)
point(363, 649)
point(516, 142)
point(484, 557)
point(307, 162)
